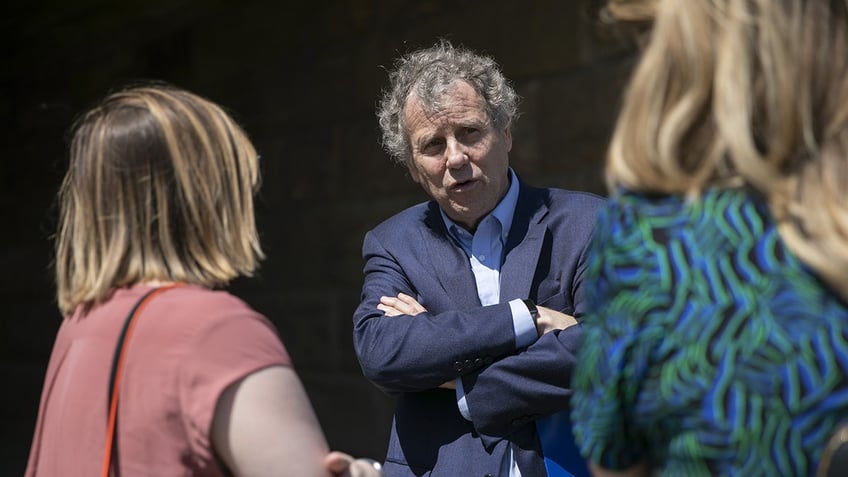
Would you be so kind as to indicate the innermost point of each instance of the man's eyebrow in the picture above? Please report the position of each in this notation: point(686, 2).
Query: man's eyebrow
point(475, 122)
point(424, 139)
point(419, 142)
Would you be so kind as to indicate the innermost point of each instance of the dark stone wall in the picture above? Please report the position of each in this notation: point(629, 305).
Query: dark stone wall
point(303, 78)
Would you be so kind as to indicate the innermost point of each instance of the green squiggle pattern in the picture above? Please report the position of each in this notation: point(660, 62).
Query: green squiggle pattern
point(709, 348)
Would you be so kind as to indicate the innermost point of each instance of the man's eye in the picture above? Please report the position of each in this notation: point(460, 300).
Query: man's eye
point(470, 134)
point(433, 147)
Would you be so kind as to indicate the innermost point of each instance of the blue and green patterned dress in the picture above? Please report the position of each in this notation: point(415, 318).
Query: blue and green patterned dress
point(709, 348)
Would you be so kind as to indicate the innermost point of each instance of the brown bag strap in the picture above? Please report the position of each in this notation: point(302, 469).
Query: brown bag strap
point(117, 374)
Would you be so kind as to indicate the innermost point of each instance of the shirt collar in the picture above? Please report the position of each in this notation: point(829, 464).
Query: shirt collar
point(503, 212)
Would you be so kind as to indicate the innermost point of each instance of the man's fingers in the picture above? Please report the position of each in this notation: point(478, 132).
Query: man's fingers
point(401, 305)
point(411, 302)
point(389, 310)
point(406, 298)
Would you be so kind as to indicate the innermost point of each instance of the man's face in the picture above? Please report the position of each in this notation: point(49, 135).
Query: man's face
point(458, 157)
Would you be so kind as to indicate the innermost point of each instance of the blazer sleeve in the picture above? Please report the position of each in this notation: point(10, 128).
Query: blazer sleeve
point(414, 353)
point(517, 389)
point(533, 383)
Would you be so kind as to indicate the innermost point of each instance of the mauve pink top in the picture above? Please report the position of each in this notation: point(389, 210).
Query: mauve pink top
point(189, 344)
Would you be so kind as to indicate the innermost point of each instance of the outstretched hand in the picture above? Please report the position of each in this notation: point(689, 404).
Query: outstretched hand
point(343, 465)
point(402, 304)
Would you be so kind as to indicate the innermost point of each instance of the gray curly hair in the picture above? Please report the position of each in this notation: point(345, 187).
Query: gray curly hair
point(426, 73)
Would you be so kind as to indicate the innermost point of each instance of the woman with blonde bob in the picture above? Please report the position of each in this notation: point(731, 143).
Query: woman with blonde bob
point(158, 197)
point(717, 337)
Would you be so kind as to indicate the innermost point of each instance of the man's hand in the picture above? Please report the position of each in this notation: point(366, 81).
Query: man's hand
point(550, 320)
point(344, 465)
point(404, 304)
point(400, 305)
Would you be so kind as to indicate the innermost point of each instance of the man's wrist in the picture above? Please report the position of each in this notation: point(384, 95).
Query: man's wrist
point(534, 311)
point(523, 324)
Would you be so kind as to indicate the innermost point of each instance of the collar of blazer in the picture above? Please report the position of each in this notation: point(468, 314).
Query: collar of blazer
point(522, 251)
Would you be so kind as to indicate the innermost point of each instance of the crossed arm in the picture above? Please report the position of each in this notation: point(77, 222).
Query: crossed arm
point(549, 320)
point(403, 304)
point(410, 336)
point(497, 419)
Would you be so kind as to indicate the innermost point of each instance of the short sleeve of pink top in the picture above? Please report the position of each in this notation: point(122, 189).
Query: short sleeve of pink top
point(189, 344)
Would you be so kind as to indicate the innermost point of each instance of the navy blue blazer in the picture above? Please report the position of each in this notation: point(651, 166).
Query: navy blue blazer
point(506, 388)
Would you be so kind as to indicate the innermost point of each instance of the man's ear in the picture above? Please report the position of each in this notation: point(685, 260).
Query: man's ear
point(413, 172)
point(508, 137)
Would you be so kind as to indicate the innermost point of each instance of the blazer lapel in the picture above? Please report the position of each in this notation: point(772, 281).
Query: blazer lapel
point(449, 262)
point(524, 244)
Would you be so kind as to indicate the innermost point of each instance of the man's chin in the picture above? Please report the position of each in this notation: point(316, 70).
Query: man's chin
point(468, 217)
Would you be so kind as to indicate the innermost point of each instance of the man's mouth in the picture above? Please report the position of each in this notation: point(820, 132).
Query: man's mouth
point(461, 186)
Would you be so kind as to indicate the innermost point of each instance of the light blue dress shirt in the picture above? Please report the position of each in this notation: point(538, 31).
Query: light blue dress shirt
point(485, 250)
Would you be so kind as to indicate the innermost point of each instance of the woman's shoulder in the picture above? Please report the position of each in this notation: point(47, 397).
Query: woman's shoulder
point(209, 297)
point(643, 229)
point(195, 302)
point(202, 316)
point(723, 209)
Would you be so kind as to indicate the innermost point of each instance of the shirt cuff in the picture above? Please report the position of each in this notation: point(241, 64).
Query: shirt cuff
point(522, 324)
point(460, 400)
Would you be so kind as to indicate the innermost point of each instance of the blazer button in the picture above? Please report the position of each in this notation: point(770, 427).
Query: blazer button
point(478, 362)
point(458, 366)
point(488, 475)
point(488, 360)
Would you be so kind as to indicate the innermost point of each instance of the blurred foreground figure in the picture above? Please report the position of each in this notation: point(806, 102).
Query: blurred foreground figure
point(159, 196)
point(716, 341)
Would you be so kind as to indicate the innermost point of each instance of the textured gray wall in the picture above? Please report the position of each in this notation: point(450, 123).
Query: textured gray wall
point(303, 78)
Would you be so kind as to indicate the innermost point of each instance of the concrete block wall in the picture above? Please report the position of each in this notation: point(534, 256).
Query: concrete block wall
point(303, 78)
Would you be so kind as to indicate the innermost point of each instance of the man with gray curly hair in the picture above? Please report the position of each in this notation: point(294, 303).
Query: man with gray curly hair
point(449, 322)
point(426, 74)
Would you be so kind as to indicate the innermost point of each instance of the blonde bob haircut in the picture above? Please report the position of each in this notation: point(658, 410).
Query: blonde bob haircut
point(745, 93)
point(159, 188)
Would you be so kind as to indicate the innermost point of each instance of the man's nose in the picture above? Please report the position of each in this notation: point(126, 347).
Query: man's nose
point(456, 155)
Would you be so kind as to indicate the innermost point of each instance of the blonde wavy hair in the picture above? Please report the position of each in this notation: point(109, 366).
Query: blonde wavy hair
point(744, 92)
point(159, 188)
